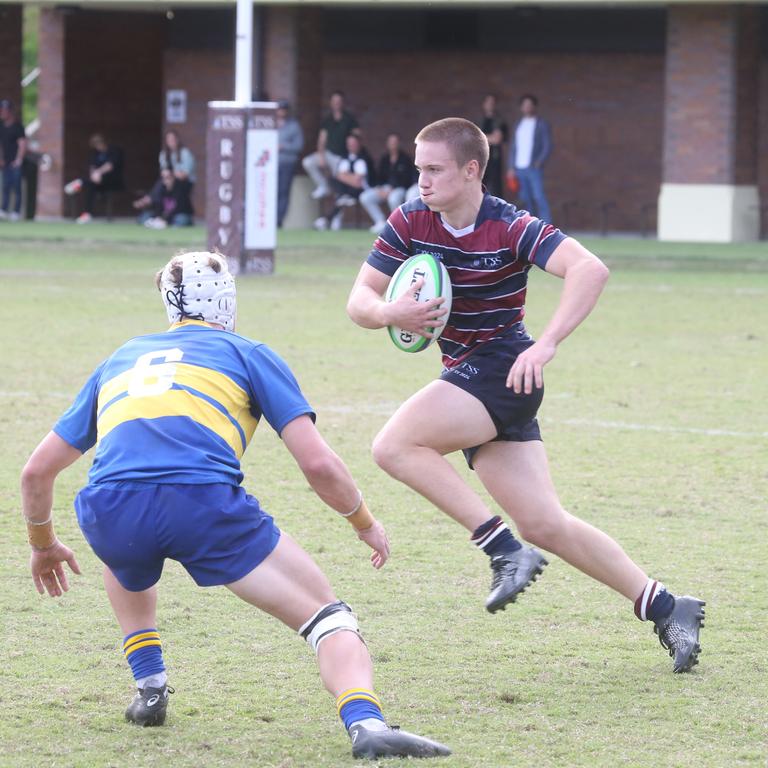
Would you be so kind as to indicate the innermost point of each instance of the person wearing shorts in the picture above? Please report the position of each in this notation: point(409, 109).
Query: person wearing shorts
point(171, 414)
point(486, 400)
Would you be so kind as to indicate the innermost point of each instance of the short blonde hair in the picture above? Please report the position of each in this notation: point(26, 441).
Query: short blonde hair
point(465, 140)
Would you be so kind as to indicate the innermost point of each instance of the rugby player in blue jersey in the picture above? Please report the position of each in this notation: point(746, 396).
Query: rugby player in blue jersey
point(172, 414)
point(486, 399)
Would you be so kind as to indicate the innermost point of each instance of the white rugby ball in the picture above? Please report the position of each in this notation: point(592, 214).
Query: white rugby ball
point(436, 283)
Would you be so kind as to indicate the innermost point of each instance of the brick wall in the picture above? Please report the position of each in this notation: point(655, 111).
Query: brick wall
point(711, 82)
point(605, 111)
point(205, 76)
point(113, 85)
point(10, 52)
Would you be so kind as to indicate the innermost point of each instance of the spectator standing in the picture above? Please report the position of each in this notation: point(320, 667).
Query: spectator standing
point(177, 158)
point(353, 176)
point(168, 204)
point(497, 132)
point(105, 175)
point(331, 147)
point(14, 147)
point(396, 174)
point(530, 148)
point(290, 142)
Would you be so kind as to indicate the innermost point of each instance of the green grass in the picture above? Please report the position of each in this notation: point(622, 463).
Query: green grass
point(657, 431)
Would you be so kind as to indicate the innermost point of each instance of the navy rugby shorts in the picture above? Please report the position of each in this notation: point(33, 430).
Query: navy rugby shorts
point(217, 532)
point(484, 375)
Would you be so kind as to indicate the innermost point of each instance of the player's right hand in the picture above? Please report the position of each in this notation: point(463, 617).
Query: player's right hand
point(376, 538)
point(47, 568)
point(415, 316)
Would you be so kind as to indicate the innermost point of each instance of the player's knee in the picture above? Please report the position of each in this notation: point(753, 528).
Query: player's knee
point(386, 453)
point(542, 530)
point(330, 619)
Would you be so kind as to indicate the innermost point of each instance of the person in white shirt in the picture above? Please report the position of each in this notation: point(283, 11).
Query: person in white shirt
point(530, 147)
point(354, 174)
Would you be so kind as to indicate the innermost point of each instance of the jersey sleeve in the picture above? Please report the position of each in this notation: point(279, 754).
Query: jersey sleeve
point(77, 426)
point(276, 392)
point(533, 240)
point(393, 246)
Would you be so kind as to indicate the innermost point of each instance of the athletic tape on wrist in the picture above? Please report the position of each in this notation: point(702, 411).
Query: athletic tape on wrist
point(41, 535)
point(361, 519)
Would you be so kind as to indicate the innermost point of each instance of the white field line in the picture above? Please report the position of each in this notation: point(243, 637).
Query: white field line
point(386, 408)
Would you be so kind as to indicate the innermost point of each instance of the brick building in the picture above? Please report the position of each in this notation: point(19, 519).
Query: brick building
point(656, 109)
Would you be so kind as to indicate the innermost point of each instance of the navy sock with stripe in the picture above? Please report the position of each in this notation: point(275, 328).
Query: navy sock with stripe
point(494, 536)
point(655, 602)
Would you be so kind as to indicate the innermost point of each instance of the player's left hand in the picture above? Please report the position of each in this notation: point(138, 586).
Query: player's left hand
point(527, 370)
point(47, 568)
point(376, 538)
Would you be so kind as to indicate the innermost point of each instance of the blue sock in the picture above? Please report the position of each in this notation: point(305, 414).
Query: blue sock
point(493, 536)
point(144, 653)
point(358, 704)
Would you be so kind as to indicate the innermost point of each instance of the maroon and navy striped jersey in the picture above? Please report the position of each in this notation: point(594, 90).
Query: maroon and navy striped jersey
point(488, 263)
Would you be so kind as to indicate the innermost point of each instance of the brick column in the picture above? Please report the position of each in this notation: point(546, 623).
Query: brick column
point(50, 104)
point(293, 70)
point(10, 53)
point(293, 62)
point(709, 190)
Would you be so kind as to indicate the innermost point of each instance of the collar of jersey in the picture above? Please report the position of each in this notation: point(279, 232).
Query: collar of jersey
point(185, 323)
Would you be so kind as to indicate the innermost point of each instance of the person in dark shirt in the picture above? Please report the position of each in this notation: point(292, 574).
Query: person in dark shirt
point(105, 174)
point(14, 147)
point(396, 175)
point(485, 400)
point(497, 132)
point(167, 204)
point(331, 145)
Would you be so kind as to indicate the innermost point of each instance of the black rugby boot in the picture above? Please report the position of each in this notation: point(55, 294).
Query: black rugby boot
point(679, 632)
point(392, 743)
point(512, 573)
point(149, 706)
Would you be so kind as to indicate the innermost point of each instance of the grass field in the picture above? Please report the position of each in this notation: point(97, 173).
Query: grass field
point(657, 430)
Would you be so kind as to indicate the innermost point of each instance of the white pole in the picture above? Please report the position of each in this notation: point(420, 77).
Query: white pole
point(244, 52)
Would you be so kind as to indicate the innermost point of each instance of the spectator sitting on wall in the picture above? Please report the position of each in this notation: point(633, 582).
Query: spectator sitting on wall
point(396, 174)
point(105, 175)
point(334, 129)
point(177, 158)
point(14, 147)
point(354, 174)
point(290, 142)
point(167, 204)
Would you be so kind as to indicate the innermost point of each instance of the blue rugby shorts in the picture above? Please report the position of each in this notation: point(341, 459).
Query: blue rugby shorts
point(217, 532)
point(484, 375)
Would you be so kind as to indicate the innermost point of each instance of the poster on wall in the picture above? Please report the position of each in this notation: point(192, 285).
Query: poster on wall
point(176, 106)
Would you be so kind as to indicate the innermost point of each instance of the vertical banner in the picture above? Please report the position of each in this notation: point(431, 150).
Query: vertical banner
point(241, 184)
point(225, 181)
point(260, 235)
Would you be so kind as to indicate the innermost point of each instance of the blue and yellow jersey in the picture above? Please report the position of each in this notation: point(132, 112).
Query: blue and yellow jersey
point(180, 406)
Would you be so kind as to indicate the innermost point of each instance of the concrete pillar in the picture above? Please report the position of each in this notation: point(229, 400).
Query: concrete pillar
point(50, 106)
point(709, 189)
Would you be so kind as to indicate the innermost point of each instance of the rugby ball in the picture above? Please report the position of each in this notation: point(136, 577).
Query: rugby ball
point(436, 283)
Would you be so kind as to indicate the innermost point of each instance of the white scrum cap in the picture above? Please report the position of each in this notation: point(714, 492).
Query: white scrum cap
point(198, 286)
